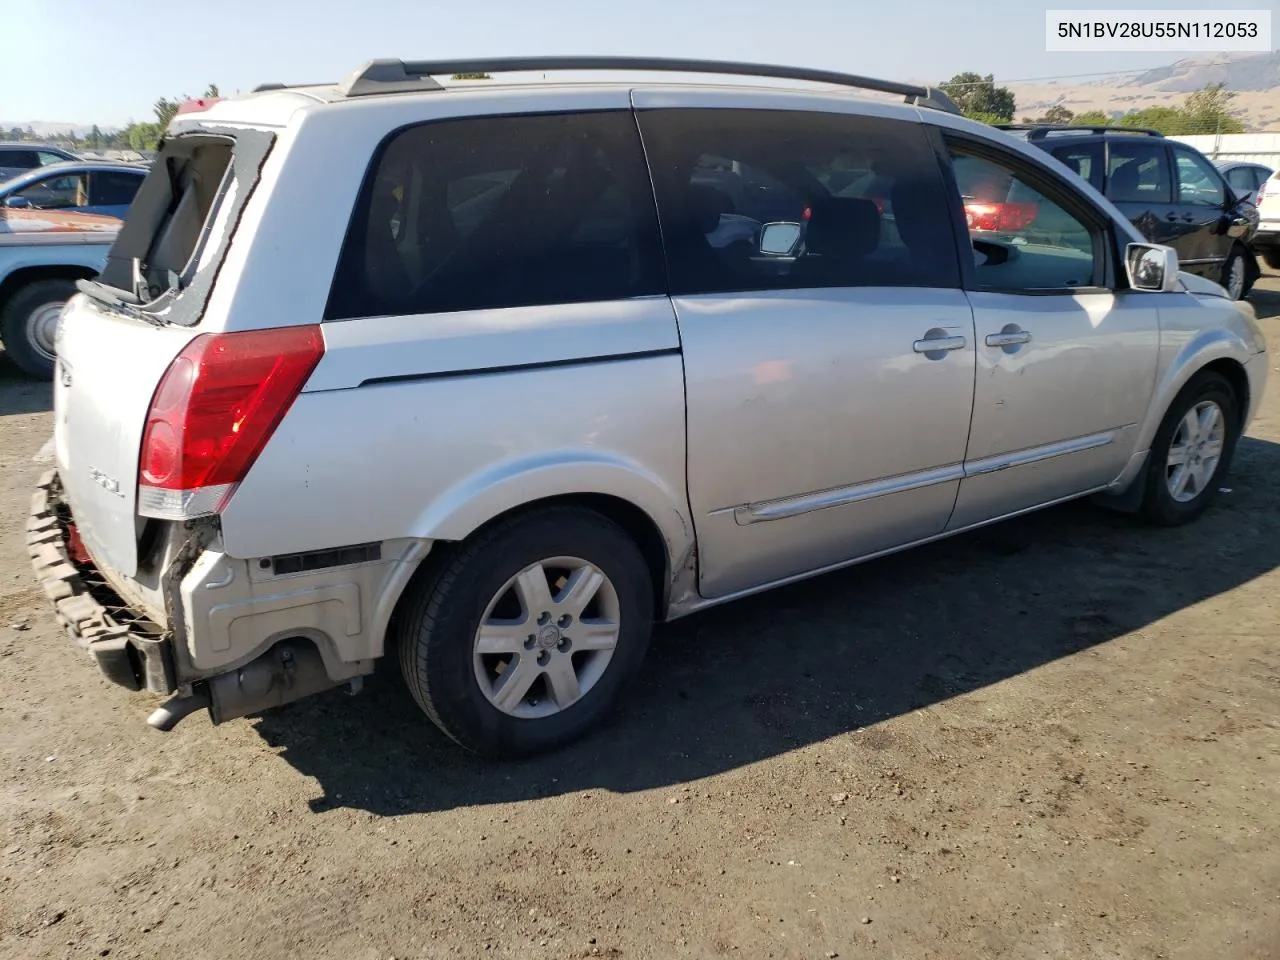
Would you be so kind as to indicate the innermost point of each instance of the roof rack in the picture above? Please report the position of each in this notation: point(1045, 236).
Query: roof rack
point(400, 76)
point(1038, 131)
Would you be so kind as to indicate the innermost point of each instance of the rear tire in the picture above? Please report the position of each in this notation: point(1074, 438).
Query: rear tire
point(1192, 451)
point(29, 324)
point(548, 664)
point(1235, 274)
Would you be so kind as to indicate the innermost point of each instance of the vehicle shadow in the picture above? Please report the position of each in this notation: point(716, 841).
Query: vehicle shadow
point(802, 664)
point(21, 394)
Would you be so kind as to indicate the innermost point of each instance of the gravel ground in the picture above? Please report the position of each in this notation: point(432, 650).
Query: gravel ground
point(1053, 738)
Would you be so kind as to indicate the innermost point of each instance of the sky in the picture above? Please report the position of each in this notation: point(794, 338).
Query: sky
point(120, 55)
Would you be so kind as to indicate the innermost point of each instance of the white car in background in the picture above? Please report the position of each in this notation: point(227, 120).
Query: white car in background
point(1267, 240)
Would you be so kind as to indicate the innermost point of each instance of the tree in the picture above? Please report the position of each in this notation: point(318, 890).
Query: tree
point(979, 98)
point(165, 109)
point(95, 138)
point(1208, 110)
point(212, 92)
point(1057, 114)
point(1092, 118)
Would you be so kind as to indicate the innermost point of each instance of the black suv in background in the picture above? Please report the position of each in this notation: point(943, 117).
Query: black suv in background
point(1169, 190)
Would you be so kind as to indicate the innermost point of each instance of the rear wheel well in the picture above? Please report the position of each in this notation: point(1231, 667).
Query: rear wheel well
point(20, 278)
point(634, 522)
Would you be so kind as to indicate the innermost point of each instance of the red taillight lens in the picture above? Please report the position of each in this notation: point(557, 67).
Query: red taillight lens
point(1262, 188)
point(1000, 217)
point(214, 410)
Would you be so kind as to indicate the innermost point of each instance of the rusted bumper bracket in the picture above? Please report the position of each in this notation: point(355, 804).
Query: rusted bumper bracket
point(124, 655)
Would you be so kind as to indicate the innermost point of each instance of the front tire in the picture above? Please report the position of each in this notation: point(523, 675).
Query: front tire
point(30, 322)
point(520, 641)
point(1192, 451)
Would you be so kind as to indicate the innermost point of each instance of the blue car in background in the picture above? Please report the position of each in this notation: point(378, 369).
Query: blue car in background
point(97, 187)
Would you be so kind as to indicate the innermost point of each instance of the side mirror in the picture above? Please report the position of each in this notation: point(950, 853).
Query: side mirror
point(17, 203)
point(1151, 267)
point(779, 239)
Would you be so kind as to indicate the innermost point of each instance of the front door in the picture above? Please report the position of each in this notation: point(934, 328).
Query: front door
point(1066, 359)
point(1201, 200)
point(829, 373)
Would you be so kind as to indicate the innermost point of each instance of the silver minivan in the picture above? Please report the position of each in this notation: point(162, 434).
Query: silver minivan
point(491, 376)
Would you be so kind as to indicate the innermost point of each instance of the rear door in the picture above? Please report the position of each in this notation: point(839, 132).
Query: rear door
point(112, 357)
point(829, 375)
point(1140, 184)
point(1202, 207)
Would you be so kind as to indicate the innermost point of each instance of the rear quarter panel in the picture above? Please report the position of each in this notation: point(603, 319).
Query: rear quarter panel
point(427, 427)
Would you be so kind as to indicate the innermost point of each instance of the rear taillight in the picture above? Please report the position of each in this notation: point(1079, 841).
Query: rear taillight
point(1000, 217)
point(214, 410)
point(1262, 188)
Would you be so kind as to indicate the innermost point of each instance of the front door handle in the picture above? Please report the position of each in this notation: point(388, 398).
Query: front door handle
point(938, 344)
point(1009, 338)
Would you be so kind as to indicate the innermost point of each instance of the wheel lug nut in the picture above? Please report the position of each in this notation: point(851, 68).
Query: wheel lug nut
point(530, 641)
point(564, 621)
point(544, 658)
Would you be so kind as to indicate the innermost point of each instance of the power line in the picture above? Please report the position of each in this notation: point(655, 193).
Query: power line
point(1075, 76)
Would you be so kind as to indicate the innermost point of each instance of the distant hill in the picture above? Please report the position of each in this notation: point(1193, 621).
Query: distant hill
point(46, 128)
point(1254, 77)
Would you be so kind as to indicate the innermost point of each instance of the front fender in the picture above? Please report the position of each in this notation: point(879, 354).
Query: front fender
point(1198, 352)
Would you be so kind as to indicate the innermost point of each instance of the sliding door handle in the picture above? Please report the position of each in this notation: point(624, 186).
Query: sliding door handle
point(938, 344)
point(1010, 338)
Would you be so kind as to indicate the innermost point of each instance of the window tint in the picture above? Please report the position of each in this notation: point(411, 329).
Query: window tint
point(57, 193)
point(115, 189)
point(502, 212)
point(1085, 159)
point(1198, 180)
point(1138, 172)
point(47, 158)
point(1241, 179)
point(1022, 240)
point(858, 201)
point(19, 159)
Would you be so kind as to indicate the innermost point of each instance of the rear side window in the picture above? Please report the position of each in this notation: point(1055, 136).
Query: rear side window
point(19, 159)
point(849, 201)
point(1138, 172)
point(1085, 159)
point(113, 189)
point(492, 212)
point(1241, 179)
point(1199, 182)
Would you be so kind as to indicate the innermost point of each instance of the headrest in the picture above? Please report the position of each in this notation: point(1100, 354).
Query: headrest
point(705, 205)
point(843, 227)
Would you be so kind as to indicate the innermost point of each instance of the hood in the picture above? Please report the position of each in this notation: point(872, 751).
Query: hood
point(1193, 283)
point(22, 220)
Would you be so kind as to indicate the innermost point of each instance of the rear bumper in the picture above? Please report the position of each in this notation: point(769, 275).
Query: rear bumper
point(245, 636)
point(1267, 237)
point(127, 648)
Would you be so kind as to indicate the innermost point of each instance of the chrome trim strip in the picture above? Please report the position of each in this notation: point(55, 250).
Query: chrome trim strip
point(1201, 261)
point(807, 503)
point(766, 510)
point(1020, 458)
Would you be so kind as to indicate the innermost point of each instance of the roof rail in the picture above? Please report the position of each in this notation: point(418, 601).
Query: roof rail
point(1038, 131)
point(395, 76)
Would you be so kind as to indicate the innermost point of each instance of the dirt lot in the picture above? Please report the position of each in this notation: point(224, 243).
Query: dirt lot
point(1055, 738)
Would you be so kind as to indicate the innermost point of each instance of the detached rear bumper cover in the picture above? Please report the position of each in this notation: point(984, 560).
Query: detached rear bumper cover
point(84, 603)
